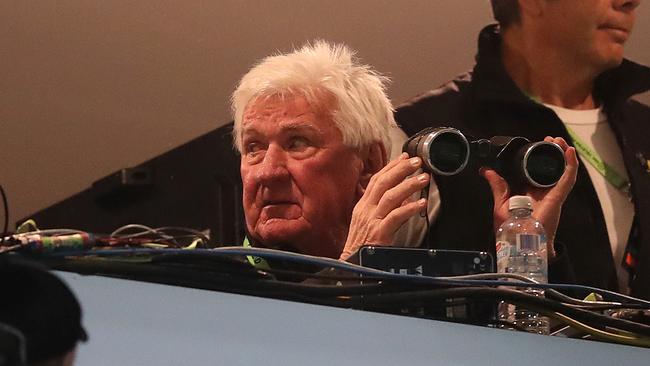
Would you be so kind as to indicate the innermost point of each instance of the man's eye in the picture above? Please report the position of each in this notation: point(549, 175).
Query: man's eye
point(253, 149)
point(298, 143)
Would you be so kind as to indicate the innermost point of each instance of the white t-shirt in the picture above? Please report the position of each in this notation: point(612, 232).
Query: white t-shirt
point(592, 128)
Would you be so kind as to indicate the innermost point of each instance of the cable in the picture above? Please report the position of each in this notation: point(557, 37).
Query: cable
point(510, 296)
point(559, 331)
point(328, 262)
point(6, 210)
point(600, 334)
point(159, 232)
point(317, 276)
point(630, 339)
point(581, 304)
point(22, 240)
point(390, 294)
point(551, 291)
point(10, 248)
point(52, 232)
point(131, 226)
point(196, 233)
point(145, 230)
point(28, 239)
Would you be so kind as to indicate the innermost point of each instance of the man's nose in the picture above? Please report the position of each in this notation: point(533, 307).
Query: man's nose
point(274, 165)
point(626, 5)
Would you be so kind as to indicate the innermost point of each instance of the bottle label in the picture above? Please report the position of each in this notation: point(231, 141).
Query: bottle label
point(503, 253)
point(527, 242)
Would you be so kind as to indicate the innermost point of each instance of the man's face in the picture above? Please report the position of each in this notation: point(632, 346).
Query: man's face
point(300, 183)
point(594, 31)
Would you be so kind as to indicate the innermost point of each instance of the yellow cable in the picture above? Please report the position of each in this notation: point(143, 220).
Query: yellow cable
point(632, 339)
point(27, 226)
point(639, 341)
point(194, 244)
point(154, 245)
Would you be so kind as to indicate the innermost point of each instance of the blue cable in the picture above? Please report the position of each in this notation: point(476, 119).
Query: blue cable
point(327, 262)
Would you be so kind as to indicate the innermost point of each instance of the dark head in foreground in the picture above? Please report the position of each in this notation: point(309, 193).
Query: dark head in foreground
point(40, 314)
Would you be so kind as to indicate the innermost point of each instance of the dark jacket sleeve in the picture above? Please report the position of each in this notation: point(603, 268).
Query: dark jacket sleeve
point(560, 269)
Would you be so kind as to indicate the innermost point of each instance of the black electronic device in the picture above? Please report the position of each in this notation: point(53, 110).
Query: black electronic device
point(446, 151)
point(436, 263)
point(426, 262)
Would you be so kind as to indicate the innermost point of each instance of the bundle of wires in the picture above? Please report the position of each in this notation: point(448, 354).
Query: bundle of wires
point(28, 238)
point(161, 237)
point(347, 285)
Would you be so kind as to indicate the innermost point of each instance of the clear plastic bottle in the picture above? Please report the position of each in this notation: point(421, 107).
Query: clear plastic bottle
point(521, 249)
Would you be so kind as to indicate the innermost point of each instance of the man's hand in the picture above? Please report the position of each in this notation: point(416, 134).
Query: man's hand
point(385, 205)
point(547, 202)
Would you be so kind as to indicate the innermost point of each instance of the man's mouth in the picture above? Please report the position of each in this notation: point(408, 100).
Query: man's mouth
point(619, 33)
point(277, 203)
point(280, 209)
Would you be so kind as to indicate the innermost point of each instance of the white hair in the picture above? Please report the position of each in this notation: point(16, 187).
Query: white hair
point(363, 113)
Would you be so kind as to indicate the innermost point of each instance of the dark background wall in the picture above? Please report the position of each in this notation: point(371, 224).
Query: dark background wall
point(88, 87)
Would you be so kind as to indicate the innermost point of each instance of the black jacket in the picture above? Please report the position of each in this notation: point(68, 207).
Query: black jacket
point(486, 102)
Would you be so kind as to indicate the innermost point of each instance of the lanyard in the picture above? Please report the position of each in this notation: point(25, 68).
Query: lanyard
point(255, 261)
point(609, 173)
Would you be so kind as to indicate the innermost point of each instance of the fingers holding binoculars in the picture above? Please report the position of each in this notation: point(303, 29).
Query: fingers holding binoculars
point(399, 215)
point(389, 192)
point(568, 179)
point(558, 141)
point(386, 205)
point(396, 201)
point(393, 178)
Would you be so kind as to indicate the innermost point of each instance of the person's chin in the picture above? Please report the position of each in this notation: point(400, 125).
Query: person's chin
point(607, 58)
point(278, 232)
point(614, 59)
point(610, 53)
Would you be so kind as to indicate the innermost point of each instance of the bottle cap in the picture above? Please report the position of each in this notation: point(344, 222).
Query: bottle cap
point(516, 202)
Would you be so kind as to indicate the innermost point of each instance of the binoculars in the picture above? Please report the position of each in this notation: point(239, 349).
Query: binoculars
point(446, 151)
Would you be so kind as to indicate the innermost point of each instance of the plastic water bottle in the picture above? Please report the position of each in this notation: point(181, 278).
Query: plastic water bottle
point(521, 249)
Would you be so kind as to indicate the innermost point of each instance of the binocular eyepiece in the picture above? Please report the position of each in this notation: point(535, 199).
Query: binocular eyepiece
point(446, 151)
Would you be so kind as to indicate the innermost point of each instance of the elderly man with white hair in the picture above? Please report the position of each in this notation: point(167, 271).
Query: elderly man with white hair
point(315, 130)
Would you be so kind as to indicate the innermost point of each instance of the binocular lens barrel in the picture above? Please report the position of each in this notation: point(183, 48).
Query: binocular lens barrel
point(444, 151)
point(543, 163)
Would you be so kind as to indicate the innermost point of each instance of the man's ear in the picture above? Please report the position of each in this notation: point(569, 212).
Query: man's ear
point(374, 158)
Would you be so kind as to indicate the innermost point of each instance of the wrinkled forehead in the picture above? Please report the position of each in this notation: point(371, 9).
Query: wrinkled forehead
point(316, 100)
point(278, 106)
point(273, 113)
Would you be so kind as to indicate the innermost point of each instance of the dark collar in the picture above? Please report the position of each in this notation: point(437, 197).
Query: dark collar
point(622, 82)
point(492, 82)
